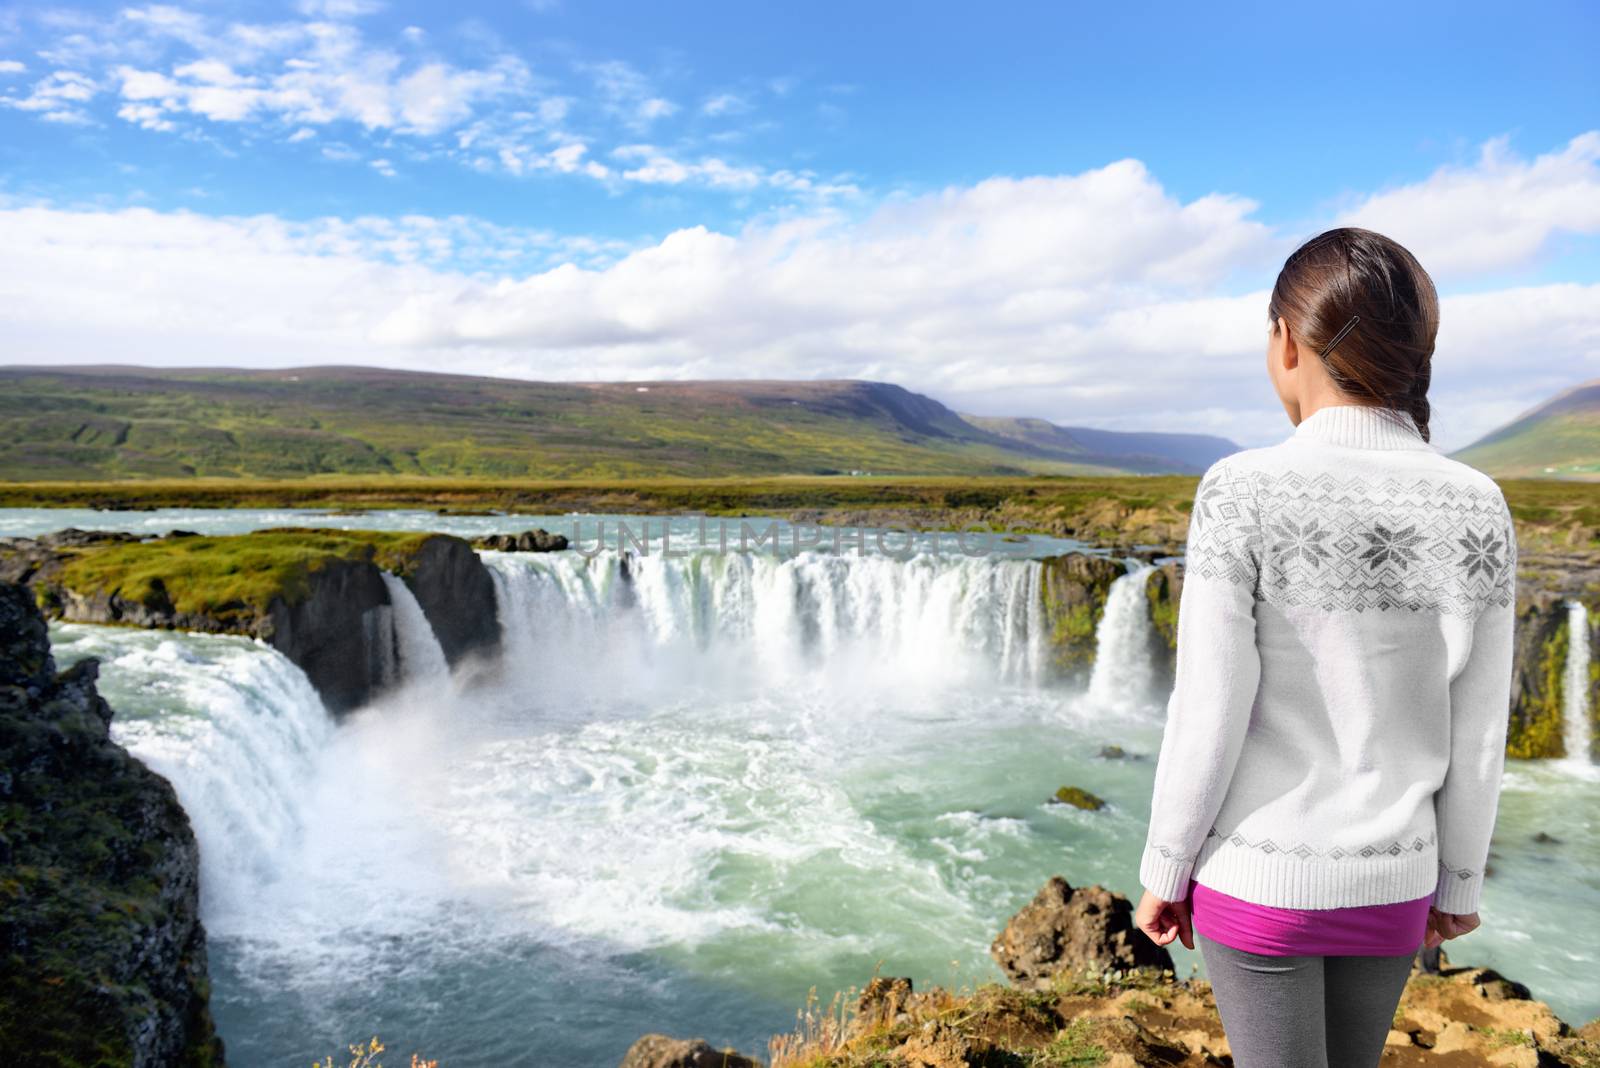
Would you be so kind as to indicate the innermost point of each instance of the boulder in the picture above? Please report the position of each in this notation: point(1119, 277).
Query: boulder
point(663, 1051)
point(1073, 932)
point(529, 541)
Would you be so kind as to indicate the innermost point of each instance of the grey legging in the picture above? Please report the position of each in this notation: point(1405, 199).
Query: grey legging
point(1304, 1012)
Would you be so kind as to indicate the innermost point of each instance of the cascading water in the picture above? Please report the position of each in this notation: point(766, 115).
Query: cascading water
point(420, 654)
point(1577, 729)
point(921, 622)
point(1122, 661)
point(237, 729)
point(685, 796)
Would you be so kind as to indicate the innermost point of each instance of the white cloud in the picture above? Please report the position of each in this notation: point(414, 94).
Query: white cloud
point(12, 66)
point(57, 97)
point(190, 72)
point(1095, 298)
point(1499, 212)
point(725, 104)
point(338, 9)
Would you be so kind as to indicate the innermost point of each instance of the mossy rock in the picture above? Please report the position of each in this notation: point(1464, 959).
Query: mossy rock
point(1536, 727)
point(1078, 797)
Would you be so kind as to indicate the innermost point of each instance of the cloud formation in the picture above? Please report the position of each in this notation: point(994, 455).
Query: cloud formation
point(1096, 298)
point(399, 99)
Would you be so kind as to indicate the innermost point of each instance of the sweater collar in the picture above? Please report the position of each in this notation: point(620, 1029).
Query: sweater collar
point(1362, 426)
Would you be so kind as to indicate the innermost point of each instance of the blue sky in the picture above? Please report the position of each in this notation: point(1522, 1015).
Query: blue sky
point(671, 170)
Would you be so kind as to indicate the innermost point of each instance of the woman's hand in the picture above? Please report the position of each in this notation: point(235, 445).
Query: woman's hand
point(1443, 925)
point(1163, 920)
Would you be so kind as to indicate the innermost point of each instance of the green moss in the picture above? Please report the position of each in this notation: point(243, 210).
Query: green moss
point(230, 576)
point(1537, 732)
point(1072, 608)
point(1079, 798)
point(1163, 607)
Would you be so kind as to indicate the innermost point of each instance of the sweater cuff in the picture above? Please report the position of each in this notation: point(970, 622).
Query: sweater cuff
point(1164, 877)
point(1455, 894)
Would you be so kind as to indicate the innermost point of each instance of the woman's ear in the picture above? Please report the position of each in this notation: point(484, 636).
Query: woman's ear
point(1289, 353)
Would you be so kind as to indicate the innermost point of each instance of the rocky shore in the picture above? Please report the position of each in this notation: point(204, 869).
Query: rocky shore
point(102, 954)
point(1086, 989)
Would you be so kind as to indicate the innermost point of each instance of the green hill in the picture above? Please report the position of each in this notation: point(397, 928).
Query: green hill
point(1559, 438)
point(108, 422)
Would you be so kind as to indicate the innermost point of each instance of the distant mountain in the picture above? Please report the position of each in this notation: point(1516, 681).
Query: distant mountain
point(1145, 452)
point(1558, 438)
point(110, 422)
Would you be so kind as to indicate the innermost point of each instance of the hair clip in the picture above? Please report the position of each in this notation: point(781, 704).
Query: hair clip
point(1354, 319)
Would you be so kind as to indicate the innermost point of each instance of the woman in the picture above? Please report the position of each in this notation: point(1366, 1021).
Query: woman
point(1330, 769)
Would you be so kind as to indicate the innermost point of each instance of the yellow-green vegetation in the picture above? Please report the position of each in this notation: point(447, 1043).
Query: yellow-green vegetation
point(230, 576)
point(1537, 731)
point(366, 1056)
point(1507, 1036)
point(1078, 797)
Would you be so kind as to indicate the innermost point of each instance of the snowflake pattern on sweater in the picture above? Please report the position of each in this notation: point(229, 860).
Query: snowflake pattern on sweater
point(1353, 543)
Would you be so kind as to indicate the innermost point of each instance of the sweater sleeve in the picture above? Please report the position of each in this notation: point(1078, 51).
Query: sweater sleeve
point(1480, 711)
point(1218, 670)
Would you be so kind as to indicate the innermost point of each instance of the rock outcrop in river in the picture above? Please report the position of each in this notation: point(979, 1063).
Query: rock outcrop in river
point(318, 596)
point(1074, 589)
point(102, 954)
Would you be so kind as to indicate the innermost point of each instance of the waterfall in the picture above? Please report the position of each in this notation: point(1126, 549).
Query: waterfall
point(1122, 670)
point(1575, 685)
point(918, 621)
point(419, 652)
point(234, 726)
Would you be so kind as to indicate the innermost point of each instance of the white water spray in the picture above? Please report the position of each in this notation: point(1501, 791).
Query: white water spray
point(1576, 732)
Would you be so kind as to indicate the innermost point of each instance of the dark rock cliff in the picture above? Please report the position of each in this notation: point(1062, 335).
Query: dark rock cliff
point(457, 595)
point(341, 634)
point(102, 954)
point(334, 621)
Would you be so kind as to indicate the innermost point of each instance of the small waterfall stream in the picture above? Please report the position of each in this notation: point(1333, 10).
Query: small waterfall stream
point(1122, 661)
point(1576, 733)
point(419, 652)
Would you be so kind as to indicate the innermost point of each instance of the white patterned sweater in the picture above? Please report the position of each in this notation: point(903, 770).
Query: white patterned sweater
point(1336, 732)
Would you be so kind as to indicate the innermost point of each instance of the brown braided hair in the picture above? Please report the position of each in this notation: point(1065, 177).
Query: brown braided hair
point(1386, 359)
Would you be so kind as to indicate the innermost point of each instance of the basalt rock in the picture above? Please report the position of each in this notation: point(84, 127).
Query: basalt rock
point(529, 541)
point(1074, 589)
point(102, 954)
point(1538, 681)
point(341, 635)
point(1073, 932)
point(456, 593)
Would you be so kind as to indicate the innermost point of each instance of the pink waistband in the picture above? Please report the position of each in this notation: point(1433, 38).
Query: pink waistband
point(1358, 930)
